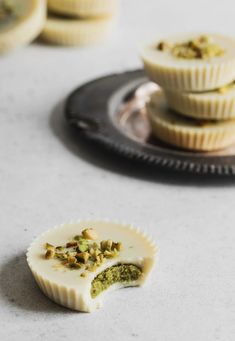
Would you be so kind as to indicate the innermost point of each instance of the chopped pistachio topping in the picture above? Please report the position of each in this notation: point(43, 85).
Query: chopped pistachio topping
point(120, 273)
point(81, 251)
point(201, 47)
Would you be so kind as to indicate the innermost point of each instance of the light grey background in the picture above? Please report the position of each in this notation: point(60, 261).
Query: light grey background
point(46, 178)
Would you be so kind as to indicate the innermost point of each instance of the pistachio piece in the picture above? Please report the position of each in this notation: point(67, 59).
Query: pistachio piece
point(118, 246)
point(95, 246)
point(80, 239)
point(90, 233)
point(61, 256)
point(108, 254)
point(100, 259)
point(49, 246)
point(82, 247)
point(71, 244)
point(83, 274)
point(50, 254)
point(83, 257)
point(109, 244)
point(103, 245)
point(71, 254)
point(72, 259)
point(75, 265)
point(163, 46)
point(106, 245)
point(59, 248)
point(92, 268)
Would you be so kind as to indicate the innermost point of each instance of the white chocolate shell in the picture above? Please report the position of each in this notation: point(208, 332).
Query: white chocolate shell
point(65, 286)
point(75, 32)
point(83, 8)
point(187, 133)
point(190, 74)
point(213, 105)
point(23, 27)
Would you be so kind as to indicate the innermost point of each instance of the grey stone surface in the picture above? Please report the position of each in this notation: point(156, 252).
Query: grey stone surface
point(48, 177)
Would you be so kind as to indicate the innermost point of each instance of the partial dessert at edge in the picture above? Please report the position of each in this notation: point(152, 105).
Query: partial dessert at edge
point(76, 264)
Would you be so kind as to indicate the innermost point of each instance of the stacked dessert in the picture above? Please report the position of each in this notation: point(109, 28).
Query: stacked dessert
point(79, 22)
point(196, 107)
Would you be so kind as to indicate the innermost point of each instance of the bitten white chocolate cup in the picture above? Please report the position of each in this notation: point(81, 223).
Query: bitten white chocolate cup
point(213, 105)
point(75, 32)
point(66, 286)
point(83, 8)
point(24, 26)
point(187, 133)
point(181, 74)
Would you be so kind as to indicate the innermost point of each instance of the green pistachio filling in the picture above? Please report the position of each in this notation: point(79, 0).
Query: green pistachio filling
point(121, 273)
point(202, 47)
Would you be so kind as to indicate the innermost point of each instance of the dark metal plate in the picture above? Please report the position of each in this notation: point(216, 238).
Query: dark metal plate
point(111, 111)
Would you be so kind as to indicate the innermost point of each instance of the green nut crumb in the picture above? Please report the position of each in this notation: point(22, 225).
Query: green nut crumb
point(74, 265)
point(71, 244)
point(72, 259)
point(108, 254)
point(83, 257)
point(59, 248)
point(50, 254)
point(49, 246)
point(118, 246)
point(82, 247)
